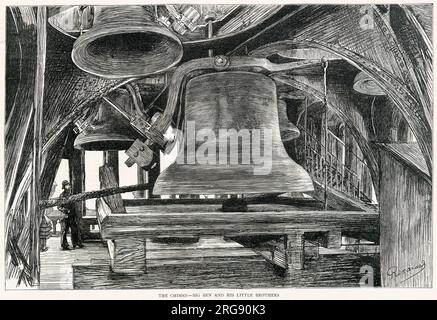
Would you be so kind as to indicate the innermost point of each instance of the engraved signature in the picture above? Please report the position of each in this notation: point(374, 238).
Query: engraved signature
point(411, 271)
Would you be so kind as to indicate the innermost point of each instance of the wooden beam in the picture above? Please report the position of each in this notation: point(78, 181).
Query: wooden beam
point(294, 250)
point(254, 40)
point(407, 220)
point(153, 173)
point(128, 256)
point(19, 124)
point(417, 73)
point(301, 202)
point(76, 164)
point(334, 239)
point(37, 143)
point(141, 178)
point(206, 220)
point(50, 164)
point(111, 159)
point(109, 180)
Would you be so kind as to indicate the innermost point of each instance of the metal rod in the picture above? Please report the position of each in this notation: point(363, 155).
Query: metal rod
point(37, 145)
point(210, 19)
point(210, 30)
point(121, 111)
point(325, 103)
point(305, 126)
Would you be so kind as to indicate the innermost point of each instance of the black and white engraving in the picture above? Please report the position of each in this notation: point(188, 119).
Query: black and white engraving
point(202, 146)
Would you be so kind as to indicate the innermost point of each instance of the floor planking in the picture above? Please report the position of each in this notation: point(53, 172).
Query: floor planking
point(211, 262)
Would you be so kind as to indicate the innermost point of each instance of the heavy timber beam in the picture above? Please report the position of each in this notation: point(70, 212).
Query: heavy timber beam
point(35, 191)
point(418, 49)
point(405, 64)
point(358, 136)
point(18, 126)
point(278, 236)
point(171, 224)
point(111, 159)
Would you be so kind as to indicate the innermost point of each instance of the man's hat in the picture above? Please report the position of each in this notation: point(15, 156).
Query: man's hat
point(64, 183)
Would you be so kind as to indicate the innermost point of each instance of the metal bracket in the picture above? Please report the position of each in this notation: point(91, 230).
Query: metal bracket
point(140, 153)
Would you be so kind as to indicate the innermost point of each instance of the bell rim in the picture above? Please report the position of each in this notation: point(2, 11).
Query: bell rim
point(78, 52)
point(84, 141)
point(360, 85)
point(306, 185)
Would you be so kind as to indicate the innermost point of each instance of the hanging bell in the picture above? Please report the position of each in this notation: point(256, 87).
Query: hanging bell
point(217, 106)
point(108, 130)
point(288, 130)
point(364, 84)
point(126, 42)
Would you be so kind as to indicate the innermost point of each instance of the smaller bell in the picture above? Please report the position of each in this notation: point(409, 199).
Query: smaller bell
point(126, 42)
point(288, 130)
point(108, 130)
point(365, 84)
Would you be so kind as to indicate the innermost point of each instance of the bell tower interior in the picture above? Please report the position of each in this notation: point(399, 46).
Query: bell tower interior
point(218, 146)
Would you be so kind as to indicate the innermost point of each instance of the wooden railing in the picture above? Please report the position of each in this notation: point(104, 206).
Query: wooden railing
point(310, 150)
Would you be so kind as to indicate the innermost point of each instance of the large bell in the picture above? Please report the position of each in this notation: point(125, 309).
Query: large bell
point(108, 130)
point(125, 42)
point(224, 102)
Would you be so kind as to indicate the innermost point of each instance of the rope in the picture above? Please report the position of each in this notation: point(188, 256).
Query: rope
point(53, 202)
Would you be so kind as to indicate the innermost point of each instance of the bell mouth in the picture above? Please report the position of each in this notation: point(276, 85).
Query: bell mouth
point(232, 179)
point(366, 85)
point(124, 52)
point(102, 143)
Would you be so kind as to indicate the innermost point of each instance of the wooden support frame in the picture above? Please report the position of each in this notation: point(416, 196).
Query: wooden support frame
point(76, 165)
point(127, 256)
point(110, 158)
point(109, 180)
point(295, 250)
point(142, 223)
point(37, 144)
point(334, 239)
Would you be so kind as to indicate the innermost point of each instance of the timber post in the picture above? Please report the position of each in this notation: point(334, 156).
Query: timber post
point(37, 144)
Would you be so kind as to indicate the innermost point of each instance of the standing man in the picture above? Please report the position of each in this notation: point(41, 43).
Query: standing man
point(68, 220)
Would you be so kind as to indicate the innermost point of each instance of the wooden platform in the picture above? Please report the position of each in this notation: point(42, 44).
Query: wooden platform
point(338, 270)
point(56, 265)
point(210, 263)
